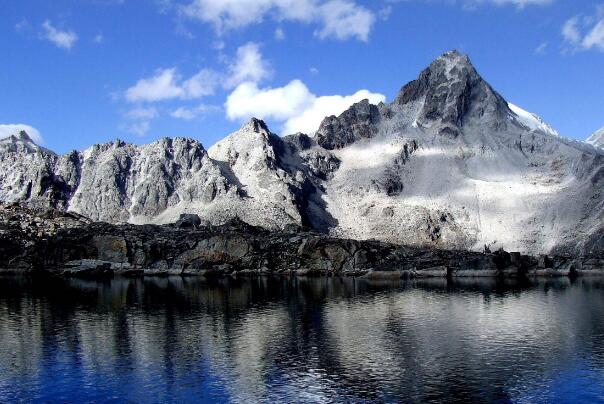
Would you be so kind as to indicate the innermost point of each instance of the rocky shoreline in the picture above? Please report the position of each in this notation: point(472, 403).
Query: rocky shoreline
point(67, 244)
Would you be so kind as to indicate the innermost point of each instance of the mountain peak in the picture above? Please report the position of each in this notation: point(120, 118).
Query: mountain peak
point(597, 138)
point(449, 91)
point(454, 57)
point(256, 125)
point(22, 135)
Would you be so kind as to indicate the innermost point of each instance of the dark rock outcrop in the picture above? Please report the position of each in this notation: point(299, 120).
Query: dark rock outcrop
point(358, 122)
point(74, 246)
point(452, 91)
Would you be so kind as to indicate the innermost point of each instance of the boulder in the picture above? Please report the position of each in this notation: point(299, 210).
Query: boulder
point(188, 221)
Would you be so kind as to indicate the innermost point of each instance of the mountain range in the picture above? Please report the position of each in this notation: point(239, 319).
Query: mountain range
point(448, 163)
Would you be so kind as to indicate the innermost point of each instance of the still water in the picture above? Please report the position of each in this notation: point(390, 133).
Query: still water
point(301, 340)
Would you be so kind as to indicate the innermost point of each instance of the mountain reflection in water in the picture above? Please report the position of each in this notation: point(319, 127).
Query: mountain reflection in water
point(301, 339)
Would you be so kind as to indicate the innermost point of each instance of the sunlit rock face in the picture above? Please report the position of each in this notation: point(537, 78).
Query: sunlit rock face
point(449, 163)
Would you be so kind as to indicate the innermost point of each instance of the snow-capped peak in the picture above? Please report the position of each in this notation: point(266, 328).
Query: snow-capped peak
point(20, 136)
point(532, 121)
point(597, 139)
point(22, 141)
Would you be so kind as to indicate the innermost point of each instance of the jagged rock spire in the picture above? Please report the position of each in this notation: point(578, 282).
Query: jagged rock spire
point(23, 135)
point(452, 91)
point(255, 125)
point(359, 121)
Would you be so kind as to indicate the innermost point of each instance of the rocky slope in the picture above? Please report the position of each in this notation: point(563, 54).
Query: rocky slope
point(449, 163)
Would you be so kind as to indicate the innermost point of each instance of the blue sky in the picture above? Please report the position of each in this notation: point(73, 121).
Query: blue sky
point(88, 71)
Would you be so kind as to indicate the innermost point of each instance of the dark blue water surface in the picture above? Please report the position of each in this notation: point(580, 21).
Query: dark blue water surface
point(301, 340)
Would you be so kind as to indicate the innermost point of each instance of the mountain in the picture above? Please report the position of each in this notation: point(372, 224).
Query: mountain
point(597, 139)
point(448, 163)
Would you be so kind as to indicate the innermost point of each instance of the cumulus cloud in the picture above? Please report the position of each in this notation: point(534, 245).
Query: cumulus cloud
point(188, 114)
point(248, 65)
point(585, 32)
point(293, 105)
point(472, 4)
point(542, 48)
point(339, 19)
point(570, 30)
point(279, 34)
point(7, 130)
point(168, 84)
point(62, 39)
point(344, 19)
point(595, 37)
point(141, 113)
point(138, 120)
point(520, 3)
point(280, 103)
point(139, 128)
point(309, 119)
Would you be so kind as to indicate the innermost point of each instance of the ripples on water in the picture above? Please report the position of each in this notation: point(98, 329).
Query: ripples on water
point(309, 340)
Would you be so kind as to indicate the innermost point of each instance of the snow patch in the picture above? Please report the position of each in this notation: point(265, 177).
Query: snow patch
point(532, 121)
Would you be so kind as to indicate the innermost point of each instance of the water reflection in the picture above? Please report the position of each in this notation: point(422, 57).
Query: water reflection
point(304, 339)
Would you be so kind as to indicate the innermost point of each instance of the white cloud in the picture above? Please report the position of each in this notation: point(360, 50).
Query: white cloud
point(167, 84)
point(293, 105)
point(585, 32)
point(62, 39)
point(188, 114)
point(136, 128)
point(141, 113)
point(202, 84)
point(343, 19)
point(522, 3)
point(473, 4)
point(280, 103)
point(248, 66)
point(595, 37)
point(339, 19)
point(279, 34)
point(308, 120)
point(98, 39)
point(138, 120)
point(570, 31)
point(7, 130)
point(542, 48)
point(23, 26)
point(162, 86)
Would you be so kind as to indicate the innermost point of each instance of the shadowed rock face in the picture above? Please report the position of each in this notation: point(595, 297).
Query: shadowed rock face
point(453, 92)
point(358, 122)
point(71, 245)
point(448, 146)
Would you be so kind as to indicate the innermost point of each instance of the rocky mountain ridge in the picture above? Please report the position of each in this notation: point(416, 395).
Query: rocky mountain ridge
point(449, 164)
